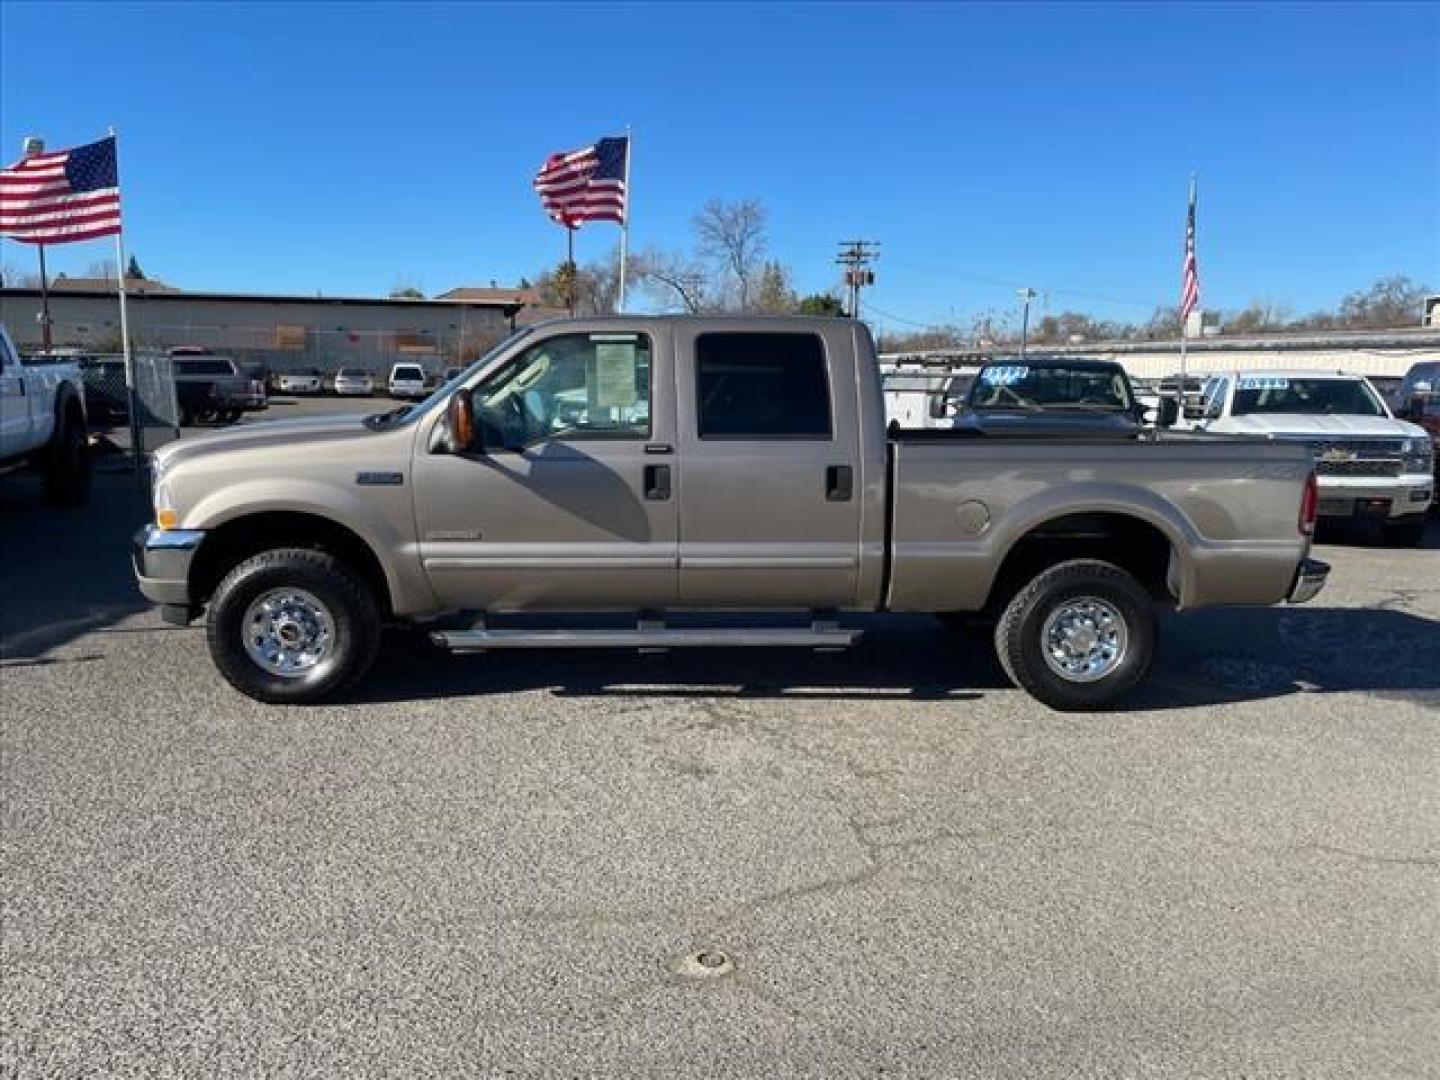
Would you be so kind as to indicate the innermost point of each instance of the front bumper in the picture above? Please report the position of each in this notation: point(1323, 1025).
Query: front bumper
point(162, 559)
point(1309, 580)
point(1401, 496)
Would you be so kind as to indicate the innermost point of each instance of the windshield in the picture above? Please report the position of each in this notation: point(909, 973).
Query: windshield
point(406, 413)
point(408, 372)
point(1310, 397)
point(353, 373)
point(1056, 386)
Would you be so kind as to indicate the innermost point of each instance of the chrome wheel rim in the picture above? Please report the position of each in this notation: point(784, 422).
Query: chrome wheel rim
point(288, 632)
point(1084, 639)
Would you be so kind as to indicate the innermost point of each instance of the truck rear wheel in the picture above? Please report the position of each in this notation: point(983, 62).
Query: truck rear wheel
point(66, 463)
point(292, 626)
point(1079, 636)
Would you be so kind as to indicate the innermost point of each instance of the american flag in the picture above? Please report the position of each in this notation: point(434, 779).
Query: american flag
point(1190, 283)
point(61, 197)
point(585, 185)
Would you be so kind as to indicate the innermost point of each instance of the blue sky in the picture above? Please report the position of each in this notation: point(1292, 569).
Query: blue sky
point(342, 148)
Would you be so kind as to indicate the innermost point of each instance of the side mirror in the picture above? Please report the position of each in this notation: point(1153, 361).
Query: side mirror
point(1169, 412)
point(461, 432)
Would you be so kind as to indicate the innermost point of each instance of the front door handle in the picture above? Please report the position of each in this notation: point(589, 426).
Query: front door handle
point(839, 483)
point(657, 482)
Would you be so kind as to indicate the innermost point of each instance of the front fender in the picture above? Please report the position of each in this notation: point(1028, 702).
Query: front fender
point(384, 522)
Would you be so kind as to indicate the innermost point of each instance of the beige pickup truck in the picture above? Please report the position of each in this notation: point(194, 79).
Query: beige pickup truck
point(669, 466)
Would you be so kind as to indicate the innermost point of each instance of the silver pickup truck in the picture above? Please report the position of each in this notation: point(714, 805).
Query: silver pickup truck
point(666, 466)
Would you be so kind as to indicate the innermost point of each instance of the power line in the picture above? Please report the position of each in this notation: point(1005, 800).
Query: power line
point(901, 319)
point(1012, 284)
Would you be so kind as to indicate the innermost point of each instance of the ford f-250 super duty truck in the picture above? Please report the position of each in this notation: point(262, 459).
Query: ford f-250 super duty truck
point(42, 421)
point(662, 466)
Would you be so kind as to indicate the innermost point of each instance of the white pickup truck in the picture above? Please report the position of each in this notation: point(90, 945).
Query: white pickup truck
point(42, 422)
point(1368, 464)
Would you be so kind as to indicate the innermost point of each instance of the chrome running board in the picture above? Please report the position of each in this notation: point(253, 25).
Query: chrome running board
point(648, 634)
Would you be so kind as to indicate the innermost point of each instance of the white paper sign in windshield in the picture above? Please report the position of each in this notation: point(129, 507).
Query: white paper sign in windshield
point(1268, 382)
point(1004, 374)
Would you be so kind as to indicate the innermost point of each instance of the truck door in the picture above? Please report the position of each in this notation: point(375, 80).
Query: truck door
point(770, 484)
point(571, 503)
point(14, 405)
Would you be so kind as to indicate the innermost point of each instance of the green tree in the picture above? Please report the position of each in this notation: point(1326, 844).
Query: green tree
point(133, 271)
point(822, 304)
point(773, 294)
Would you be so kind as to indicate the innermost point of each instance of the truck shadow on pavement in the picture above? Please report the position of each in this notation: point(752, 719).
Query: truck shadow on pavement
point(1206, 658)
point(65, 572)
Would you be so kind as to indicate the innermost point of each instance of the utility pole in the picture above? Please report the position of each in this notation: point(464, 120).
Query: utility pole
point(1026, 295)
point(856, 256)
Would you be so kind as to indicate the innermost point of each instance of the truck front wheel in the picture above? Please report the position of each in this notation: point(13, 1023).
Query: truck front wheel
point(293, 626)
point(1079, 636)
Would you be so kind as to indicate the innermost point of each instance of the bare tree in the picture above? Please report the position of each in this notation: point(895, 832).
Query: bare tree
point(1259, 316)
point(12, 277)
point(671, 279)
point(1390, 301)
point(593, 287)
point(103, 268)
point(733, 235)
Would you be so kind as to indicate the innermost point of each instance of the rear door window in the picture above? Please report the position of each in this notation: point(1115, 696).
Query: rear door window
point(762, 386)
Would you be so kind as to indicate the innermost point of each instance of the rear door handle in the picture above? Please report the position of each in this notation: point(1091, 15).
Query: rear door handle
point(657, 482)
point(839, 483)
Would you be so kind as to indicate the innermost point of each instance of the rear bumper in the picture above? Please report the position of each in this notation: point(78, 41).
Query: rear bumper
point(1309, 580)
point(162, 559)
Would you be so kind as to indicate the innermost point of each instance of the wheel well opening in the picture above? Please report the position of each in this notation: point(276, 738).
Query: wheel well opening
point(229, 545)
point(1127, 542)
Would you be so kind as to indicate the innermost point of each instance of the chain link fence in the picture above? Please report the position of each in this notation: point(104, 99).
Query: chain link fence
point(107, 402)
point(267, 351)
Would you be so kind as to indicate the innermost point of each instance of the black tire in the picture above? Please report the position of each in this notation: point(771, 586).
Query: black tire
point(65, 468)
point(349, 603)
point(1403, 534)
point(187, 416)
point(1019, 635)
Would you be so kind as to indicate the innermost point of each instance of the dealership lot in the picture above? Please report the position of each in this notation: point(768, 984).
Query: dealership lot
point(507, 864)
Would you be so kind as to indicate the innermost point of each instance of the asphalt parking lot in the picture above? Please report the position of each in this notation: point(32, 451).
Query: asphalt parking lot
point(505, 865)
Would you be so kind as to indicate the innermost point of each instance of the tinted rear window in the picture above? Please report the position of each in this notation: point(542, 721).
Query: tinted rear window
point(187, 365)
point(762, 386)
point(353, 373)
point(407, 373)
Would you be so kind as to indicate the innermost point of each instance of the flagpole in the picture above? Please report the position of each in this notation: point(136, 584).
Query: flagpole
point(132, 398)
point(625, 225)
point(45, 341)
point(1184, 319)
point(571, 283)
point(33, 147)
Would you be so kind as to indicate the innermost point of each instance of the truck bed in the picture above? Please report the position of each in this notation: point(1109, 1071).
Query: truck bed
point(1228, 509)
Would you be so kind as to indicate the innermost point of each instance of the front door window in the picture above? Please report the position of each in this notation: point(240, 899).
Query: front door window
point(576, 386)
